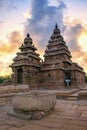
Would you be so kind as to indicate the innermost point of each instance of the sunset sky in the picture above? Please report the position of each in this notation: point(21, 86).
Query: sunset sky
point(38, 17)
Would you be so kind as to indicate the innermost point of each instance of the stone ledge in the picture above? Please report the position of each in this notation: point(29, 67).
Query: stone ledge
point(82, 95)
point(36, 115)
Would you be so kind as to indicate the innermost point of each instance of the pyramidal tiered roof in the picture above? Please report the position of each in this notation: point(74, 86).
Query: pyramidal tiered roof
point(56, 48)
point(28, 44)
point(28, 47)
point(28, 53)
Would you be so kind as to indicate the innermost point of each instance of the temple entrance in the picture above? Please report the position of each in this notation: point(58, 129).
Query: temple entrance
point(67, 78)
point(19, 75)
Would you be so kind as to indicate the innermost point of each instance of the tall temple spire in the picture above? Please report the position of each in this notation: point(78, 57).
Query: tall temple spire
point(56, 30)
point(57, 47)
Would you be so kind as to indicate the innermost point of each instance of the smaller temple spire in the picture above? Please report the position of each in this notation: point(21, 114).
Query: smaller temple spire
point(28, 39)
point(28, 35)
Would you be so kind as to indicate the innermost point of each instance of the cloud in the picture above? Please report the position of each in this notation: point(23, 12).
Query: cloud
point(8, 51)
point(27, 14)
point(4, 69)
point(6, 5)
point(1, 22)
point(43, 19)
point(7, 8)
point(14, 41)
point(72, 34)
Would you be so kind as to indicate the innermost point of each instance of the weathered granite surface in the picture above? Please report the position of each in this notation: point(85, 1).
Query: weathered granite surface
point(82, 95)
point(32, 105)
point(68, 115)
point(34, 101)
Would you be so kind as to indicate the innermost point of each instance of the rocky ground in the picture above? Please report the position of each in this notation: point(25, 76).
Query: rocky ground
point(70, 113)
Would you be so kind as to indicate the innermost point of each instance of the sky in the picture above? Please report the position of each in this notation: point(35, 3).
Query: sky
point(38, 17)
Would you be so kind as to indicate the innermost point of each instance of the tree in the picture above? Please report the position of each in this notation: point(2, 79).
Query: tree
point(2, 78)
point(86, 79)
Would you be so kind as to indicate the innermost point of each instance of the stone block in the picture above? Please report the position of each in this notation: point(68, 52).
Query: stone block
point(34, 101)
point(82, 95)
point(33, 105)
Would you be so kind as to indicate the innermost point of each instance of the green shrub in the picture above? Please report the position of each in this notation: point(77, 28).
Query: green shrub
point(86, 79)
point(2, 78)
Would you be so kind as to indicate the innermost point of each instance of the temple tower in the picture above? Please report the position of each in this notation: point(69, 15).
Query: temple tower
point(56, 49)
point(57, 68)
point(26, 64)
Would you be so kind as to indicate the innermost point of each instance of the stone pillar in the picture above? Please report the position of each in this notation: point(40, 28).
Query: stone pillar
point(25, 76)
point(15, 76)
point(60, 78)
point(74, 78)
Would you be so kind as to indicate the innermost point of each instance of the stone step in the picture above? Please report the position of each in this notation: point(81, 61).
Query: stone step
point(82, 95)
point(72, 98)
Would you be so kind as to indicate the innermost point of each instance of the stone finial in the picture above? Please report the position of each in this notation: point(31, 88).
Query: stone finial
point(28, 35)
point(27, 39)
point(56, 26)
point(56, 29)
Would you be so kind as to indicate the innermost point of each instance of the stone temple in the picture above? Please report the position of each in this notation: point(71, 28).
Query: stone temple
point(57, 71)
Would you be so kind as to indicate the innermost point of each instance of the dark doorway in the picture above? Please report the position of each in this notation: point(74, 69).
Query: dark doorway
point(67, 77)
point(67, 74)
point(19, 75)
